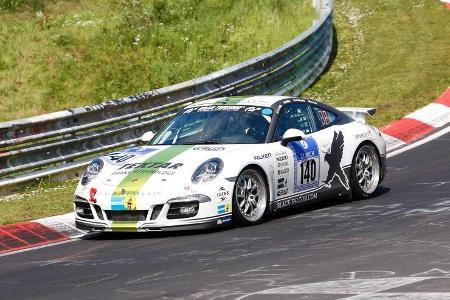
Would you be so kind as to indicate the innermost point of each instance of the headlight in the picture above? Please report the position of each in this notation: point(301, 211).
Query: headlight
point(208, 170)
point(92, 170)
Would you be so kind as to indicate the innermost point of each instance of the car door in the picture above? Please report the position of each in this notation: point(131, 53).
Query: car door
point(297, 166)
point(330, 138)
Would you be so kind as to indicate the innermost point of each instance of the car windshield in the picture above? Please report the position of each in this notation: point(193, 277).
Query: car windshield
point(232, 124)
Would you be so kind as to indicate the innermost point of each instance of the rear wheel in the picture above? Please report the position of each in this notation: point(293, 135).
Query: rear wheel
point(365, 171)
point(250, 197)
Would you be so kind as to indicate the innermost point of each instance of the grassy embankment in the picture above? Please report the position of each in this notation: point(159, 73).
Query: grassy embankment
point(73, 53)
point(392, 55)
point(62, 54)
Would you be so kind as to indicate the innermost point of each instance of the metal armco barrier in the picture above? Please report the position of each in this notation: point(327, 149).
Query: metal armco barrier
point(58, 142)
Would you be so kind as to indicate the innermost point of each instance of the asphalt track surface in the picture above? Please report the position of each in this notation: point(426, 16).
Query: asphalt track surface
point(395, 245)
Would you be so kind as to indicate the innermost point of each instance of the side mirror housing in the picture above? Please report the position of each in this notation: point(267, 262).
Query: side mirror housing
point(147, 137)
point(292, 135)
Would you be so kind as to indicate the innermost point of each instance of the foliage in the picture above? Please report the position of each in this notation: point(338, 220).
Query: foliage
point(391, 55)
point(72, 53)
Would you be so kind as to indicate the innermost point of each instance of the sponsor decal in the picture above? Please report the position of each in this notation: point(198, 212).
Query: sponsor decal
point(208, 148)
point(222, 194)
point(280, 153)
point(279, 108)
point(267, 111)
point(92, 193)
point(304, 144)
point(252, 108)
point(224, 220)
point(151, 166)
point(148, 168)
point(323, 116)
point(363, 135)
point(282, 158)
point(224, 208)
point(282, 188)
point(130, 203)
point(306, 164)
point(283, 171)
point(117, 158)
point(282, 164)
point(295, 200)
point(282, 182)
point(282, 192)
point(334, 162)
point(262, 156)
point(124, 226)
point(139, 150)
point(231, 100)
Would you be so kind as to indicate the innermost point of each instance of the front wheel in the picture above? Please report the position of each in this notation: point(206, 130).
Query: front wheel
point(250, 197)
point(365, 171)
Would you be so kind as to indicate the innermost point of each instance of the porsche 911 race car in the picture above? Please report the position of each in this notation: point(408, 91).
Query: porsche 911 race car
point(232, 159)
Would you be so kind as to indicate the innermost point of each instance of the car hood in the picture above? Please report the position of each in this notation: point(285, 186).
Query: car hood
point(154, 171)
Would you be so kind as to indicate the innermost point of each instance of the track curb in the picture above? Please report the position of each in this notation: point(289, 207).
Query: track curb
point(398, 134)
point(27, 235)
point(416, 125)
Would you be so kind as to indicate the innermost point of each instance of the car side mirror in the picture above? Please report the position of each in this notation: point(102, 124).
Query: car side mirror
point(292, 135)
point(147, 137)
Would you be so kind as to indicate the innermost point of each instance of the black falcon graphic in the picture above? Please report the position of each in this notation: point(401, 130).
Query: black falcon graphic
point(334, 161)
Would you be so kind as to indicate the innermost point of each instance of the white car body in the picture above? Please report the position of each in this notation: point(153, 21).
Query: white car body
point(143, 188)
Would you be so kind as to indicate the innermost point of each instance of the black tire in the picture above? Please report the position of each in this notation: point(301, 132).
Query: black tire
point(250, 203)
point(365, 172)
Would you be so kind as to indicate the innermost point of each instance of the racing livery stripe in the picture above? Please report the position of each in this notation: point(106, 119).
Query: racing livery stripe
point(123, 226)
point(231, 100)
point(130, 187)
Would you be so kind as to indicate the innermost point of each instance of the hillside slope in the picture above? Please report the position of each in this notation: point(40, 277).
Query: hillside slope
point(393, 55)
point(72, 53)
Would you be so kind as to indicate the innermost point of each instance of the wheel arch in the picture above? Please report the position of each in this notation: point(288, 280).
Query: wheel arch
point(265, 176)
point(377, 151)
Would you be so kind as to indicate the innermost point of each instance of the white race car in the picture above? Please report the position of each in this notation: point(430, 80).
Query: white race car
point(232, 159)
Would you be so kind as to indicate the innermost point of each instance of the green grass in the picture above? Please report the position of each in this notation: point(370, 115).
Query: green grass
point(38, 201)
point(393, 55)
point(64, 54)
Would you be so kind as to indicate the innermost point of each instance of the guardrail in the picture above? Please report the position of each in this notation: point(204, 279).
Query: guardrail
point(59, 142)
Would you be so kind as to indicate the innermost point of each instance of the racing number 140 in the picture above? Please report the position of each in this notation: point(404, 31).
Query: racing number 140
point(308, 171)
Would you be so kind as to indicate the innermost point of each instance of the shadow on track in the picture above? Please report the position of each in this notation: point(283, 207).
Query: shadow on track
point(286, 213)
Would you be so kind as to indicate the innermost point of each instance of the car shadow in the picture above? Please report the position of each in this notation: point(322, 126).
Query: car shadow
point(381, 190)
point(305, 208)
point(151, 234)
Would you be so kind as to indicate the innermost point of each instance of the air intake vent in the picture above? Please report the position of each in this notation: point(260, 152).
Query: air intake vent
point(126, 215)
point(83, 210)
point(180, 210)
point(156, 210)
point(98, 210)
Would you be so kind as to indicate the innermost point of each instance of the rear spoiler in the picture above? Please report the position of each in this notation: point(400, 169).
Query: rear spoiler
point(358, 113)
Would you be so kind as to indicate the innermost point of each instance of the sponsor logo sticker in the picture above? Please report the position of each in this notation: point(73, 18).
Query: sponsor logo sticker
point(223, 208)
point(208, 148)
point(262, 156)
point(295, 200)
point(222, 194)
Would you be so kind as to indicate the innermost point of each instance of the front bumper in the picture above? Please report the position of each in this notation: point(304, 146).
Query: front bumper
point(194, 224)
point(159, 217)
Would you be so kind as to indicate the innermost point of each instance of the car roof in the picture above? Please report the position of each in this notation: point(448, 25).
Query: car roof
point(265, 101)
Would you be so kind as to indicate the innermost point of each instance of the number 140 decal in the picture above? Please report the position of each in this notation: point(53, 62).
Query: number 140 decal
point(307, 171)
